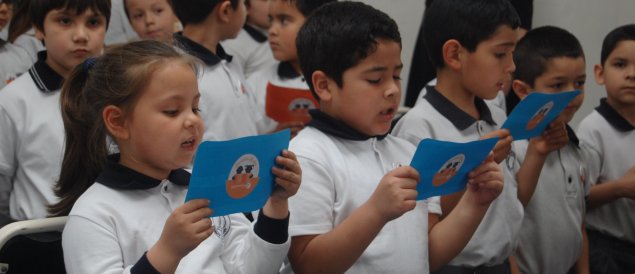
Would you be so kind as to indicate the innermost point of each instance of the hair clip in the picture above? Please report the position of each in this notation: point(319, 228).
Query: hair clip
point(88, 64)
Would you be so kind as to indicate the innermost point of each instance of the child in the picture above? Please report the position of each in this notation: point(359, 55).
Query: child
point(356, 211)
point(607, 135)
point(228, 108)
point(551, 60)
point(144, 96)
point(15, 61)
point(250, 47)
point(21, 32)
point(32, 139)
point(152, 19)
point(470, 43)
point(287, 16)
point(6, 7)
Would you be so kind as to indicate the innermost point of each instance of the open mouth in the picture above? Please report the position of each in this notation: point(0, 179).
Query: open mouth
point(189, 143)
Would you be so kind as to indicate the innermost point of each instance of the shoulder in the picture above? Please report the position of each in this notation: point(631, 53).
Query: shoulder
point(498, 114)
point(20, 89)
point(264, 74)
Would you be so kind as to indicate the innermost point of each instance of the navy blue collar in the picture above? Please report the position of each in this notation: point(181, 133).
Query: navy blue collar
point(255, 34)
point(329, 125)
point(613, 117)
point(573, 138)
point(45, 78)
point(201, 52)
point(459, 118)
point(118, 176)
point(286, 71)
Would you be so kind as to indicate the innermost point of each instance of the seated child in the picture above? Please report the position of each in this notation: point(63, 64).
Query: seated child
point(357, 212)
point(152, 19)
point(608, 136)
point(128, 214)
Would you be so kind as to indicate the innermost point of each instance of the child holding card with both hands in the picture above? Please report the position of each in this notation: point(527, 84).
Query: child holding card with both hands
point(129, 206)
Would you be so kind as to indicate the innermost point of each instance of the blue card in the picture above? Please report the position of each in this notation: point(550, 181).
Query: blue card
point(444, 166)
point(534, 113)
point(236, 175)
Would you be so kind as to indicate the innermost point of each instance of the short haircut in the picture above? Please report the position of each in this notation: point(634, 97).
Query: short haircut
point(306, 7)
point(40, 8)
point(195, 11)
point(338, 35)
point(623, 33)
point(469, 22)
point(538, 47)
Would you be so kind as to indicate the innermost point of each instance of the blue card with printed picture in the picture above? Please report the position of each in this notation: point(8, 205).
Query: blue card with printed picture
point(534, 113)
point(235, 175)
point(444, 166)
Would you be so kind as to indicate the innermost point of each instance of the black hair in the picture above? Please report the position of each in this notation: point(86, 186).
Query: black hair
point(306, 7)
point(525, 10)
point(469, 22)
point(623, 33)
point(195, 11)
point(338, 35)
point(40, 8)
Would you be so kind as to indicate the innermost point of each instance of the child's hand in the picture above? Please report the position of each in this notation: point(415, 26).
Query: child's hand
point(553, 138)
point(288, 180)
point(504, 144)
point(396, 193)
point(294, 126)
point(628, 183)
point(485, 182)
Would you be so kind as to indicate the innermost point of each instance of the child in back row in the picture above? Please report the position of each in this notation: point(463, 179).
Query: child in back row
point(32, 137)
point(608, 136)
point(356, 210)
point(152, 19)
point(552, 236)
point(287, 16)
point(471, 45)
point(127, 211)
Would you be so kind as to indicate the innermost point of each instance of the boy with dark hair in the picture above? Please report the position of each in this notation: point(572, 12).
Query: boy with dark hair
point(32, 138)
point(552, 236)
point(608, 136)
point(356, 210)
point(471, 44)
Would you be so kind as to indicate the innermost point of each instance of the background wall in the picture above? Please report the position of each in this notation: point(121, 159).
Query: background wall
point(589, 20)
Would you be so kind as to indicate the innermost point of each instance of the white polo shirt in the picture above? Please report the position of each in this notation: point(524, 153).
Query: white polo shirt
point(251, 49)
point(340, 170)
point(438, 118)
point(550, 240)
point(228, 107)
point(32, 139)
point(30, 44)
point(120, 217)
point(14, 61)
point(609, 140)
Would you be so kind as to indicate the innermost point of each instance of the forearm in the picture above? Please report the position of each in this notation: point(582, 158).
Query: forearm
point(528, 175)
point(337, 250)
point(449, 202)
point(582, 266)
point(604, 193)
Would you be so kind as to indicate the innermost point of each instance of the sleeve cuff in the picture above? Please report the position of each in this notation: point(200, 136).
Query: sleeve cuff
point(274, 231)
point(143, 266)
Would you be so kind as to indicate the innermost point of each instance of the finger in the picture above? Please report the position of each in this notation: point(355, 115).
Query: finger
point(193, 205)
point(406, 172)
point(202, 225)
point(484, 168)
point(286, 175)
point(201, 213)
point(410, 194)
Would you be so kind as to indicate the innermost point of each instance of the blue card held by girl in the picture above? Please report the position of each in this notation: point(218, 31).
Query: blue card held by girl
point(235, 175)
point(444, 166)
point(534, 113)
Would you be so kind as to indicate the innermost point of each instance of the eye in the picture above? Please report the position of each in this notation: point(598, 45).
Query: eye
point(64, 20)
point(171, 112)
point(500, 55)
point(196, 110)
point(579, 84)
point(94, 22)
point(557, 86)
point(397, 78)
point(619, 64)
point(374, 81)
point(137, 15)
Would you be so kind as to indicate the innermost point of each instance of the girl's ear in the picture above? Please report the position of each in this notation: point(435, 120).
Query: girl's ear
point(452, 51)
point(322, 85)
point(598, 72)
point(521, 88)
point(115, 122)
point(39, 34)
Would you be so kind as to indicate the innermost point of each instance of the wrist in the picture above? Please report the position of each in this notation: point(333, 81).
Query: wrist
point(163, 258)
point(276, 208)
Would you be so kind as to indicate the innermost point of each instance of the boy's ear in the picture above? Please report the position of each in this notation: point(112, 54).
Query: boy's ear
point(322, 85)
point(598, 72)
point(521, 88)
point(115, 122)
point(451, 52)
point(224, 9)
point(39, 34)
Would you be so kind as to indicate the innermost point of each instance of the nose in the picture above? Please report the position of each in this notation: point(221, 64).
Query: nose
point(273, 28)
point(512, 66)
point(393, 88)
point(630, 72)
point(81, 34)
point(194, 121)
point(149, 18)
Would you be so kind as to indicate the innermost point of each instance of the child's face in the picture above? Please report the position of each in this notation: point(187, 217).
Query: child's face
point(71, 38)
point(258, 13)
point(370, 92)
point(238, 16)
point(5, 13)
point(286, 21)
point(564, 74)
point(618, 74)
point(152, 19)
point(164, 128)
point(486, 70)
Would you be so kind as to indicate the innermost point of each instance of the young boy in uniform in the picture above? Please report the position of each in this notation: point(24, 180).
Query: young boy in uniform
point(471, 44)
point(551, 240)
point(287, 16)
point(608, 136)
point(356, 211)
point(32, 138)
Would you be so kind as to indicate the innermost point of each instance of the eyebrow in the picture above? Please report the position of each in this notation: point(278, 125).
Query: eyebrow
point(381, 69)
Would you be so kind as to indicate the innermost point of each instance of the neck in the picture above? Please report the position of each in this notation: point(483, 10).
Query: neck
point(207, 36)
point(449, 85)
point(296, 66)
point(625, 110)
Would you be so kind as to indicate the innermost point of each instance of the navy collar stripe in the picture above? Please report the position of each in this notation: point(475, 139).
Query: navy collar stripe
point(255, 34)
point(201, 52)
point(121, 177)
point(573, 138)
point(613, 117)
point(44, 77)
point(286, 71)
point(329, 125)
point(459, 118)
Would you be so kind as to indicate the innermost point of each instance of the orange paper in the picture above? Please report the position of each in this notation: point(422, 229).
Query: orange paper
point(289, 104)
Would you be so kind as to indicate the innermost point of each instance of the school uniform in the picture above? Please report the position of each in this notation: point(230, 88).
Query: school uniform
point(32, 139)
point(341, 169)
point(30, 44)
point(251, 49)
point(438, 118)
point(227, 106)
point(123, 214)
point(281, 74)
point(550, 239)
point(13, 62)
point(609, 141)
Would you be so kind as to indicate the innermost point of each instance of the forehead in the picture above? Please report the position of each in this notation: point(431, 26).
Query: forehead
point(564, 66)
point(503, 37)
point(624, 49)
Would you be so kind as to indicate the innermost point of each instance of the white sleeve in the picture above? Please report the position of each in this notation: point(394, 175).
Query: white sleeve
point(258, 83)
point(589, 140)
point(413, 127)
point(8, 145)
